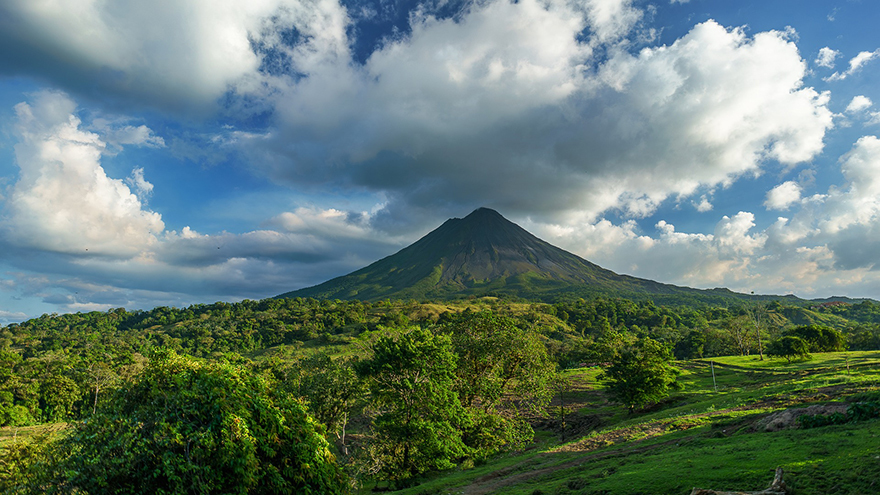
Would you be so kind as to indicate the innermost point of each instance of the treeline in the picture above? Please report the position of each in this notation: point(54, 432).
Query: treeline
point(427, 386)
point(59, 367)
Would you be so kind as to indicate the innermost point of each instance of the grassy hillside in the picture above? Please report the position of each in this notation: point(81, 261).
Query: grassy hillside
point(698, 437)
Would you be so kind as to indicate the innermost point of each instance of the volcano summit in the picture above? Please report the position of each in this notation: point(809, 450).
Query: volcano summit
point(486, 254)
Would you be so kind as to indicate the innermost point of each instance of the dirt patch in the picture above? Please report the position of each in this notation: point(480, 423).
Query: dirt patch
point(786, 419)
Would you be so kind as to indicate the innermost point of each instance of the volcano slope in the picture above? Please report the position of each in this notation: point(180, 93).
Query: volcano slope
point(486, 254)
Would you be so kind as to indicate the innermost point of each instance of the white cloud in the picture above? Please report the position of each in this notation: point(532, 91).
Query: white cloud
point(506, 98)
point(118, 133)
point(855, 64)
point(7, 317)
point(611, 20)
point(503, 98)
point(168, 53)
point(95, 245)
point(516, 86)
point(704, 205)
point(783, 196)
point(861, 59)
point(826, 57)
point(143, 187)
point(63, 200)
point(858, 104)
point(827, 245)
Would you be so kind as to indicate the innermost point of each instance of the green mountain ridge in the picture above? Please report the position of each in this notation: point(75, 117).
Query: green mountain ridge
point(485, 254)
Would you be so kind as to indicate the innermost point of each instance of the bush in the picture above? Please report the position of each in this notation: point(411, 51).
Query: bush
point(857, 411)
point(186, 426)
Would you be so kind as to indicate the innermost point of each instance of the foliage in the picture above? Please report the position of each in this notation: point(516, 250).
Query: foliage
point(857, 411)
point(26, 465)
point(332, 390)
point(790, 347)
point(498, 358)
point(819, 338)
point(639, 373)
point(186, 426)
point(417, 427)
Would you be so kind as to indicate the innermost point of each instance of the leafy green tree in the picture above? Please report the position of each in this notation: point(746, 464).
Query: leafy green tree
point(497, 358)
point(411, 378)
point(789, 347)
point(59, 395)
point(692, 345)
point(819, 338)
point(333, 392)
point(640, 372)
point(186, 426)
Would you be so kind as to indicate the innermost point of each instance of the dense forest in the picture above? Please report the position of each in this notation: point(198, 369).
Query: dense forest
point(392, 388)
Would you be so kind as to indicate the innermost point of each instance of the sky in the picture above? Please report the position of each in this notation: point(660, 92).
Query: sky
point(180, 152)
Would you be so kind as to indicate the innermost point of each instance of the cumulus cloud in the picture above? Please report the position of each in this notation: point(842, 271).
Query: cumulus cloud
point(63, 200)
point(826, 244)
point(142, 187)
point(783, 196)
point(858, 104)
point(117, 134)
point(7, 317)
point(855, 64)
point(95, 245)
point(611, 20)
point(826, 57)
point(704, 205)
point(203, 48)
point(723, 258)
point(556, 109)
point(546, 94)
point(507, 97)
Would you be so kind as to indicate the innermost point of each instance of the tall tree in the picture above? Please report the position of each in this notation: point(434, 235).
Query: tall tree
point(333, 392)
point(411, 377)
point(498, 357)
point(639, 373)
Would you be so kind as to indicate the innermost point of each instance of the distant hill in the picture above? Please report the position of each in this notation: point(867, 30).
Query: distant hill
point(486, 254)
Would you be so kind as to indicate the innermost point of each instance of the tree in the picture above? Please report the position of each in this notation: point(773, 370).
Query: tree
point(332, 390)
point(789, 347)
point(692, 345)
point(498, 358)
point(59, 394)
point(738, 331)
point(186, 426)
point(819, 338)
point(411, 377)
point(640, 373)
point(757, 315)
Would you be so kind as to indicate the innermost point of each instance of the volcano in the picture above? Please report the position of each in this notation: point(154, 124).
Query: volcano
point(485, 254)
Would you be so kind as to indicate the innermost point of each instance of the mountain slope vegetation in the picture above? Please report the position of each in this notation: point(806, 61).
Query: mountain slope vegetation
point(486, 254)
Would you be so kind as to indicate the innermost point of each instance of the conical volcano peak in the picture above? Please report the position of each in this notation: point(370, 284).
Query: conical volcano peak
point(481, 253)
point(483, 218)
point(484, 213)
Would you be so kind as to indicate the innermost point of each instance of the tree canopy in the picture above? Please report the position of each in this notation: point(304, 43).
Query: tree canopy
point(640, 372)
point(188, 426)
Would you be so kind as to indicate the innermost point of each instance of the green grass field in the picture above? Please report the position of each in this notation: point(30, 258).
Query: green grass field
point(698, 437)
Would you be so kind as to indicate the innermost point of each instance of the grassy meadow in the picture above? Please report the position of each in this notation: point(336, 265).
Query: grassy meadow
point(698, 437)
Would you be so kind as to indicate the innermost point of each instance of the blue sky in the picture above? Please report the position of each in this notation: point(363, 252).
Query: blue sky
point(173, 152)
